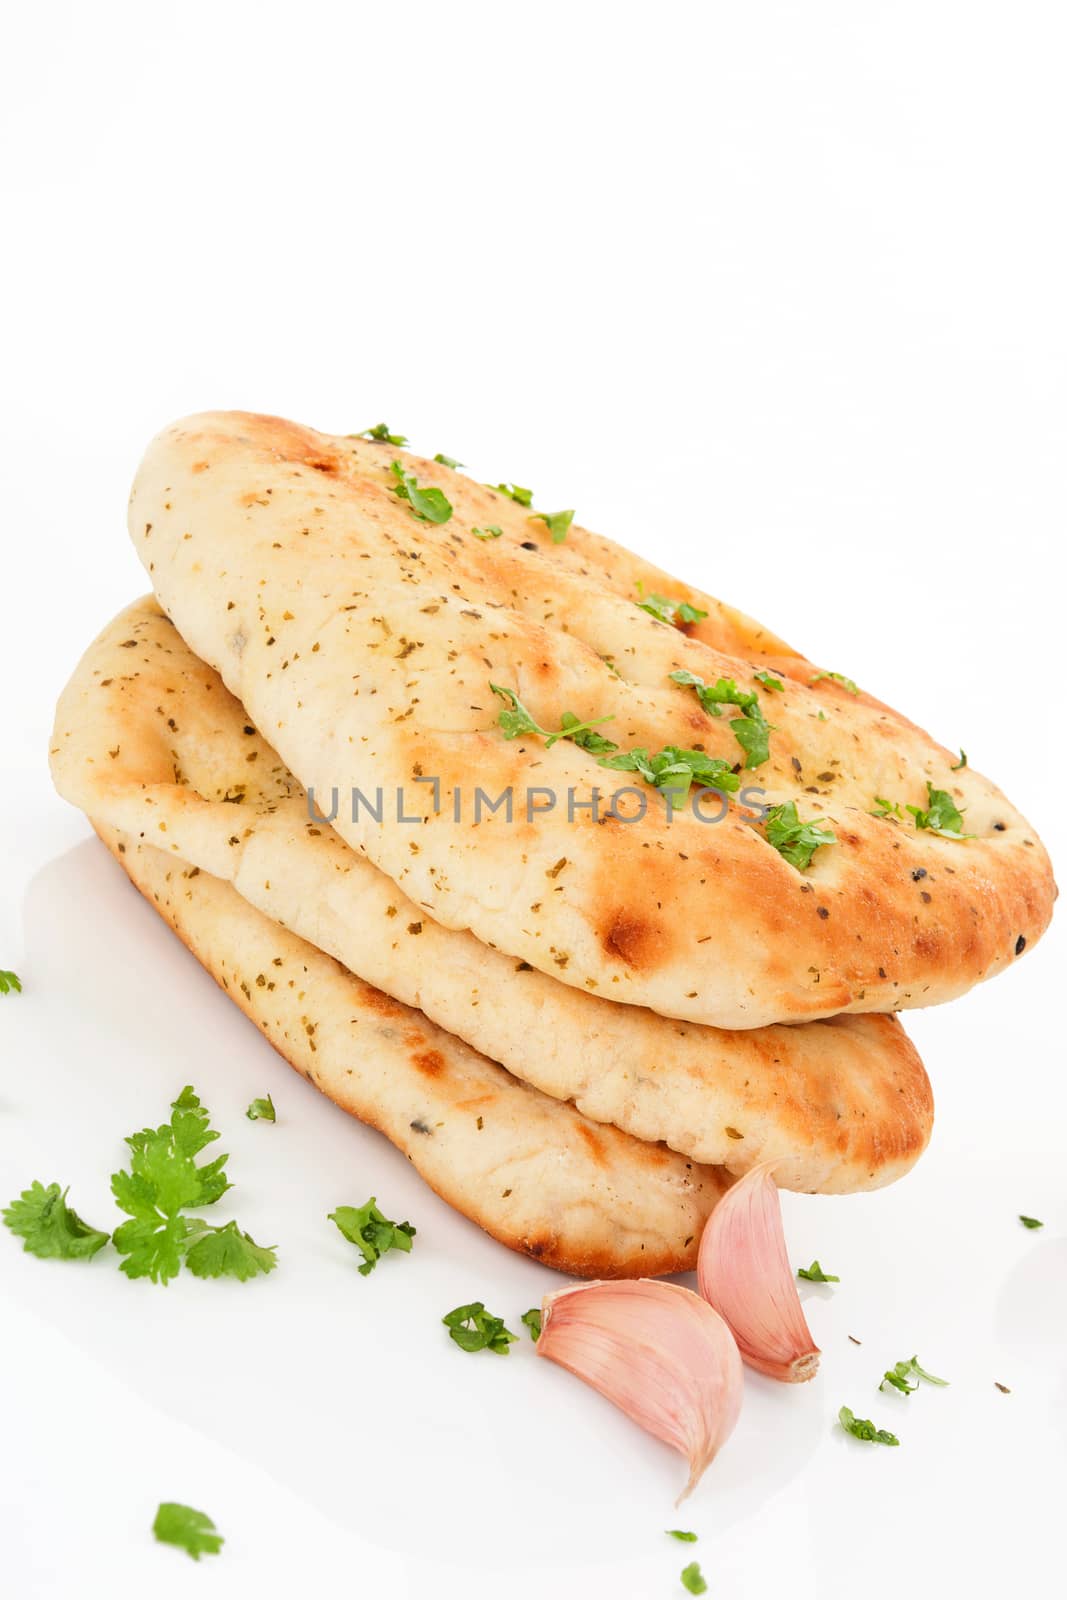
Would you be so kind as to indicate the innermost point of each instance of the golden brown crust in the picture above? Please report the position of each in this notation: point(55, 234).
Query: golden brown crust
point(589, 1201)
point(148, 739)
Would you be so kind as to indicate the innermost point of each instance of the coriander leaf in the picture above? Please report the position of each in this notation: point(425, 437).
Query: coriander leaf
point(815, 1274)
point(446, 461)
point(942, 816)
point(886, 808)
point(693, 1579)
point(670, 611)
point(583, 735)
point(532, 1321)
point(490, 531)
point(769, 681)
point(226, 1252)
point(676, 770)
point(371, 1232)
point(557, 523)
point(751, 730)
point(192, 1531)
point(1031, 1222)
point(152, 1249)
point(473, 1328)
point(795, 840)
point(753, 735)
point(837, 677)
point(10, 983)
point(521, 497)
point(681, 1535)
point(861, 1428)
point(49, 1228)
point(261, 1111)
point(961, 763)
point(428, 505)
point(380, 431)
point(515, 720)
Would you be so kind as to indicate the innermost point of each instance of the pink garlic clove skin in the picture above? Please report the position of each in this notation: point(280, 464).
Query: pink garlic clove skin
point(660, 1353)
point(743, 1271)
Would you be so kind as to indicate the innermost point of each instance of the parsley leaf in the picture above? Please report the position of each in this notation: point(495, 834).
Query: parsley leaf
point(751, 729)
point(557, 523)
point(1030, 1222)
point(226, 1252)
point(670, 611)
point(521, 497)
point(837, 677)
point(473, 1328)
point(898, 1377)
point(446, 461)
point(681, 1535)
point(380, 431)
point(261, 1111)
point(49, 1228)
point(428, 505)
point(769, 681)
point(795, 840)
point(860, 1428)
point(192, 1531)
point(676, 770)
point(532, 1321)
point(10, 983)
point(371, 1232)
point(886, 808)
point(693, 1579)
point(515, 720)
point(961, 763)
point(815, 1274)
point(942, 816)
point(490, 531)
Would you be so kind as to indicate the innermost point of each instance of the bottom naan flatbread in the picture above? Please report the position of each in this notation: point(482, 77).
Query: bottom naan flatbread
point(148, 739)
point(531, 1171)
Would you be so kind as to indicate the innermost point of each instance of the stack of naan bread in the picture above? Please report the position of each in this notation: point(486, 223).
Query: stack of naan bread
point(579, 1027)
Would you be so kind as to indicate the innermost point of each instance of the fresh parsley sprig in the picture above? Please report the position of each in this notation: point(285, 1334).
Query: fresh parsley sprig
point(796, 841)
point(751, 729)
point(897, 1377)
point(474, 1328)
point(372, 1232)
point(192, 1531)
point(428, 505)
point(51, 1229)
point(10, 982)
point(862, 1428)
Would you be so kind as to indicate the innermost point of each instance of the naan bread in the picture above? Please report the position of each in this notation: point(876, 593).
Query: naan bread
point(532, 1172)
point(148, 739)
point(363, 643)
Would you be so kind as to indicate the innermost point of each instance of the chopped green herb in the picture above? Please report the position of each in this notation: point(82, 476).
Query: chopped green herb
point(557, 523)
point(261, 1111)
point(815, 1274)
point(473, 1328)
point(837, 677)
point(192, 1531)
point(532, 1321)
point(521, 497)
point(515, 720)
point(490, 531)
point(446, 461)
point(961, 763)
point(942, 816)
point(675, 770)
point(10, 983)
point(380, 431)
point(886, 808)
point(1030, 1222)
point(163, 1182)
point(428, 505)
point(769, 681)
point(751, 729)
point(795, 840)
point(670, 611)
point(897, 1377)
point(49, 1228)
point(860, 1428)
point(693, 1579)
point(371, 1232)
point(681, 1535)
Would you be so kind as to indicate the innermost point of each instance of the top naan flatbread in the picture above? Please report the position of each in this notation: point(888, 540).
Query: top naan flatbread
point(364, 642)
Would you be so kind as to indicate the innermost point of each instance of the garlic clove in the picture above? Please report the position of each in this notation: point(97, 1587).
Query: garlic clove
point(659, 1352)
point(743, 1271)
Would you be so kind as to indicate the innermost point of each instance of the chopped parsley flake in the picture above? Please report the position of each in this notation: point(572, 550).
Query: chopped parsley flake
point(1030, 1222)
point(681, 1535)
point(861, 1428)
point(897, 1377)
point(531, 1320)
point(10, 983)
point(557, 523)
point(672, 612)
point(769, 681)
point(751, 729)
point(886, 808)
point(521, 497)
point(815, 1274)
point(961, 763)
point(447, 461)
point(515, 720)
point(490, 531)
point(473, 1328)
point(261, 1111)
point(192, 1531)
point(941, 817)
point(428, 505)
point(795, 840)
point(51, 1229)
point(836, 677)
point(693, 1579)
point(381, 433)
point(371, 1232)
point(676, 770)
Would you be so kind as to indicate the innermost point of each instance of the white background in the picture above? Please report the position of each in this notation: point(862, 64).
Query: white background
point(773, 293)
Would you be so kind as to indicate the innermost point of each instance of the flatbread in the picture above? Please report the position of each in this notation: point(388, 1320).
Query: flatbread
point(532, 1172)
point(148, 739)
point(364, 641)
